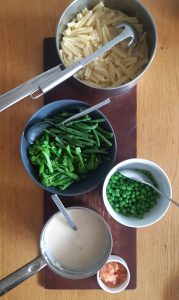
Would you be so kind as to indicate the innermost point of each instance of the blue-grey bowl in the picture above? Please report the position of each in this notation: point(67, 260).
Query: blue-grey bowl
point(94, 178)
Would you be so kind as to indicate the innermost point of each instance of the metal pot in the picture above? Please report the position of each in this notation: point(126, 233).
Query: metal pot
point(46, 81)
point(131, 8)
point(48, 258)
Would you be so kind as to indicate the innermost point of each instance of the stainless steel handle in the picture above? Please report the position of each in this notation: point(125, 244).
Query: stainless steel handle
point(25, 89)
point(46, 81)
point(128, 32)
point(14, 279)
point(61, 207)
point(56, 79)
point(88, 110)
point(164, 195)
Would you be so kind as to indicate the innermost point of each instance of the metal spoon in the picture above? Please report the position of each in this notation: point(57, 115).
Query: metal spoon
point(46, 81)
point(35, 130)
point(62, 208)
point(128, 32)
point(139, 176)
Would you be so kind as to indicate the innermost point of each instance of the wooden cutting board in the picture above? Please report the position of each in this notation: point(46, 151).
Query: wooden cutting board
point(121, 112)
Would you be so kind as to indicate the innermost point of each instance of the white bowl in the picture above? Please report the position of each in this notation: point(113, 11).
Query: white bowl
point(159, 210)
point(121, 286)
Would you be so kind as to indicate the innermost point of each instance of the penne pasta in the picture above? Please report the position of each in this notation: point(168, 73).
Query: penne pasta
point(88, 31)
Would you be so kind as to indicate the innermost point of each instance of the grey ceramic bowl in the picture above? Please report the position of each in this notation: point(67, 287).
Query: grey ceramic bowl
point(95, 177)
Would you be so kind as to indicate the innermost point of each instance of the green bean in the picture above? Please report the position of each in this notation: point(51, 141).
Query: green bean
point(95, 151)
point(83, 119)
point(96, 138)
point(72, 131)
point(102, 138)
point(105, 132)
point(66, 153)
point(87, 127)
point(97, 121)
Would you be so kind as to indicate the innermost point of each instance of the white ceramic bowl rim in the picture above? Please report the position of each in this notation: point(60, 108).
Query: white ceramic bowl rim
point(121, 286)
point(162, 206)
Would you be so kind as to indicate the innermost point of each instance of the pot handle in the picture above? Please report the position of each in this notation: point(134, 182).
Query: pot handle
point(15, 278)
point(25, 89)
point(56, 80)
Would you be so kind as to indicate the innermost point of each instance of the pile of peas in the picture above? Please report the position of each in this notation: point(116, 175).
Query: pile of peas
point(131, 198)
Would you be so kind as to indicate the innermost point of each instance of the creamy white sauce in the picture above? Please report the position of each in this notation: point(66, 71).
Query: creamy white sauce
point(76, 249)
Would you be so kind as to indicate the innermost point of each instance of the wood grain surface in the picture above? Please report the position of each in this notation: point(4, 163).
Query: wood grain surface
point(23, 26)
point(122, 115)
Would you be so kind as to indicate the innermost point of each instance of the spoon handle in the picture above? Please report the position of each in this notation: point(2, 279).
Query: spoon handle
point(127, 32)
point(164, 195)
point(87, 111)
point(61, 207)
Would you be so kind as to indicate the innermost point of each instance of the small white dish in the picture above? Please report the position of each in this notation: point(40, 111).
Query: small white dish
point(158, 211)
point(121, 286)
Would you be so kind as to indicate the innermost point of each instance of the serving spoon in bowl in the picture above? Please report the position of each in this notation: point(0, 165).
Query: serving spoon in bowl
point(36, 130)
point(46, 81)
point(128, 32)
point(139, 176)
point(63, 210)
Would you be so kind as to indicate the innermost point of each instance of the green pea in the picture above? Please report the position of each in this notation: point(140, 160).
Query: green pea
point(130, 198)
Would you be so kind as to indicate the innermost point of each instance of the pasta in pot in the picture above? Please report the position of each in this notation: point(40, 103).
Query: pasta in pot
point(91, 29)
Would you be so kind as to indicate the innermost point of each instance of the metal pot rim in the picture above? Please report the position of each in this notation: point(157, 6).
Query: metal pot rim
point(71, 273)
point(133, 81)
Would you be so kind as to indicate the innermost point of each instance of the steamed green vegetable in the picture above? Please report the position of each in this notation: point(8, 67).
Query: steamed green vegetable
point(131, 198)
point(66, 153)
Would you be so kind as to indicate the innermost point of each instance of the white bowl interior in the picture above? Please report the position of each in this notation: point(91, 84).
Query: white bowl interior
point(158, 210)
point(121, 286)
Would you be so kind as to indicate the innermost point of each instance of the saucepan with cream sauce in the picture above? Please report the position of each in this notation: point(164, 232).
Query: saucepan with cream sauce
point(72, 254)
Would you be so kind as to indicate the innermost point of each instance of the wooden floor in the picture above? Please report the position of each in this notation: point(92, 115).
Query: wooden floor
point(23, 26)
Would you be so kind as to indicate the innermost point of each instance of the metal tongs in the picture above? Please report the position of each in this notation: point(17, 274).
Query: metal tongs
point(46, 81)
